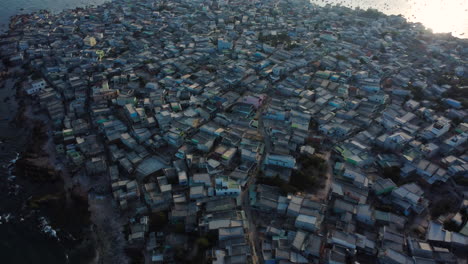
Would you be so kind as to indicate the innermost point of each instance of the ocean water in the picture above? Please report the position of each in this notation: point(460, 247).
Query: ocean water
point(24, 241)
point(23, 238)
point(441, 16)
point(9, 8)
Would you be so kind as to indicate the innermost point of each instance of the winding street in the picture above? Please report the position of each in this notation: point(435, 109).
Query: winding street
point(245, 201)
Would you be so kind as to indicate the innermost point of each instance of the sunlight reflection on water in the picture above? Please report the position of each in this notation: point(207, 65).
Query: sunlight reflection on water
point(442, 16)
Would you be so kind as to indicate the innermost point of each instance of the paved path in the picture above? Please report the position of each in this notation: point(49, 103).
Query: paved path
point(245, 201)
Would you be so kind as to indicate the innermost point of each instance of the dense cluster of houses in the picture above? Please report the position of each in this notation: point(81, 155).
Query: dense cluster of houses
point(179, 105)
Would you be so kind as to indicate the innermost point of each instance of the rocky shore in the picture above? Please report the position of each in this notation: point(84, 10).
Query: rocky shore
point(41, 194)
point(90, 226)
point(241, 132)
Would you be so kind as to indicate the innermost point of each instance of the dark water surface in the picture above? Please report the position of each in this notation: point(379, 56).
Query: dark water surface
point(441, 16)
point(9, 8)
point(23, 243)
point(23, 236)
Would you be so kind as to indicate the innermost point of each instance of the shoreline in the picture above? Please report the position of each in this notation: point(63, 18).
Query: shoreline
point(26, 12)
point(98, 114)
point(78, 186)
point(6, 27)
point(18, 218)
point(54, 184)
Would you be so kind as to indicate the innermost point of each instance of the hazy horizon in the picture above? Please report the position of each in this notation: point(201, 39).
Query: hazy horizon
point(442, 16)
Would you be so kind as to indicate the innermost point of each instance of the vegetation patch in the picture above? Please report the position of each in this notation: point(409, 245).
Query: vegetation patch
point(313, 170)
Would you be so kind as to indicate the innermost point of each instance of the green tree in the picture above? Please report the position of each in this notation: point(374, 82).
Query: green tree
point(203, 243)
point(392, 173)
point(441, 207)
point(451, 226)
point(36, 76)
point(179, 228)
point(382, 48)
point(158, 221)
point(341, 57)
